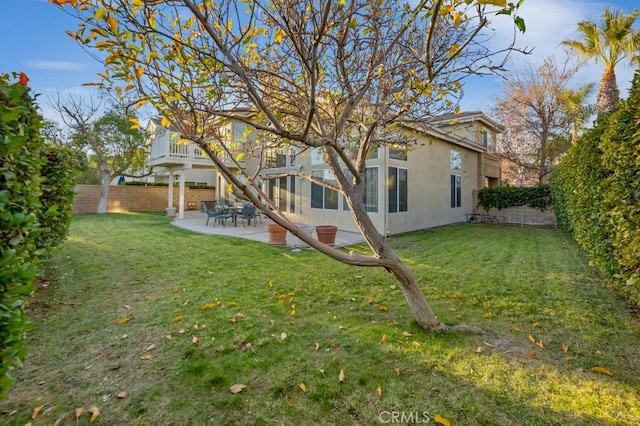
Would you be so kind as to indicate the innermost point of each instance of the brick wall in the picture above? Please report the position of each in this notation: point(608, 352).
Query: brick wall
point(125, 198)
point(519, 215)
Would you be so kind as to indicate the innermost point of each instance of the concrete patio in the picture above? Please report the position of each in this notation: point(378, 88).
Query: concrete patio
point(195, 221)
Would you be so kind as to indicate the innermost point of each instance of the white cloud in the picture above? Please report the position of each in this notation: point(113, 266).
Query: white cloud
point(57, 65)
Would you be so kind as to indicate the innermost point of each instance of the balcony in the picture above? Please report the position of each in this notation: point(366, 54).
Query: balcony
point(166, 153)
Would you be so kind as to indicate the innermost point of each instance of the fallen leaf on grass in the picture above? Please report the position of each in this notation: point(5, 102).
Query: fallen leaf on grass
point(488, 315)
point(78, 412)
point(341, 376)
point(489, 345)
point(569, 358)
point(36, 411)
point(126, 306)
point(397, 370)
point(415, 344)
point(540, 344)
point(177, 318)
point(303, 387)
point(536, 324)
point(209, 305)
point(95, 412)
point(122, 395)
point(151, 347)
point(379, 390)
point(478, 350)
point(317, 347)
point(185, 303)
point(231, 304)
point(532, 339)
point(564, 347)
point(283, 336)
point(383, 308)
point(175, 290)
point(195, 340)
point(237, 388)
point(384, 338)
point(124, 320)
point(515, 328)
point(534, 355)
point(291, 403)
point(182, 331)
point(145, 357)
point(406, 334)
point(442, 420)
point(602, 370)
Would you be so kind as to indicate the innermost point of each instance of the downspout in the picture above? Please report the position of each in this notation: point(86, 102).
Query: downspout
point(385, 190)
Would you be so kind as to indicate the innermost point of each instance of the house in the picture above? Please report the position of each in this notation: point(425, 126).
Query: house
point(430, 184)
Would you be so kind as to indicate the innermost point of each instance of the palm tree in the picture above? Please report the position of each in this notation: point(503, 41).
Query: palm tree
point(608, 42)
point(576, 109)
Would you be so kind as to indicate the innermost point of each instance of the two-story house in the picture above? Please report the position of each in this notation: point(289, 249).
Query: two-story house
point(430, 184)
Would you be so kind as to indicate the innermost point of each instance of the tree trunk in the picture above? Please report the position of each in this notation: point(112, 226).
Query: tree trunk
point(104, 192)
point(608, 93)
point(418, 304)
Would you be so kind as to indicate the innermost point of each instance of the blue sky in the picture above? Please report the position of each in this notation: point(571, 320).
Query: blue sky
point(34, 42)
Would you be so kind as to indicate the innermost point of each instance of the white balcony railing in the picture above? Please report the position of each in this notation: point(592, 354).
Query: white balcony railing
point(165, 152)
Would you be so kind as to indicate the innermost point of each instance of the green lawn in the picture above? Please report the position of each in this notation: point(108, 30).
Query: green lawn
point(174, 319)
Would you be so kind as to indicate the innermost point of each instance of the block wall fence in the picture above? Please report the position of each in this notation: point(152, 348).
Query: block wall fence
point(519, 215)
point(126, 198)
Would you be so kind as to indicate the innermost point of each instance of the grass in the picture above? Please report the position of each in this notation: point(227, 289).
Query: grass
point(174, 319)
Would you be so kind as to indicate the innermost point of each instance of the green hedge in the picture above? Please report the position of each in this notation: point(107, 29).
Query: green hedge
point(502, 197)
point(36, 197)
point(20, 192)
point(59, 170)
point(597, 188)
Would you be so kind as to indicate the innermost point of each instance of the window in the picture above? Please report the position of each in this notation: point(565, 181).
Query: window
point(274, 159)
point(321, 196)
point(487, 140)
point(317, 156)
point(456, 160)
point(278, 192)
point(398, 154)
point(456, 191)
point(370, 196)
point(292, 194)
point(397, 186)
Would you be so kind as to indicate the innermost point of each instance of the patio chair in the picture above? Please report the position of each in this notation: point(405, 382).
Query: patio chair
point(248, 213)
point(218, 212)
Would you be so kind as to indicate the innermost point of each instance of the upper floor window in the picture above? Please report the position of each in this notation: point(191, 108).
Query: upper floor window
point(317, 156)
point(487, 140)
point(274, 159)
point(456, 160)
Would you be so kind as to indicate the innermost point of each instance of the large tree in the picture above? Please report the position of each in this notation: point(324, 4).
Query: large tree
point(608, 42)
point(115, 147)
point(341, 76)
point(534, 107)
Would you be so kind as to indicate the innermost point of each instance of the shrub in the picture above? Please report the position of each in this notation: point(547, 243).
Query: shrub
point(502, 197)
point(19, 206)
point(58, 171)
point(597, 193)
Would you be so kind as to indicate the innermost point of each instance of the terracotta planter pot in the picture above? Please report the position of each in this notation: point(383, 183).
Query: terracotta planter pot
point(327, 234)
point(277, 234)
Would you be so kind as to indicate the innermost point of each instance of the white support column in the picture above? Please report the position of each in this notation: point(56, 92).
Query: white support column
point(170, 210)
point(181, 196)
